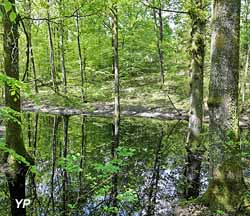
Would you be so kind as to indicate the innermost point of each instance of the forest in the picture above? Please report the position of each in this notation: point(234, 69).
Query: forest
point(124, 107)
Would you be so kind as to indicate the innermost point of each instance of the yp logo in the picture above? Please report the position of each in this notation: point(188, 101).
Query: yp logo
point(24, 202)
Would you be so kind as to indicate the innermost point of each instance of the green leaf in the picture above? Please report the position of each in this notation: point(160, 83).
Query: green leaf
point(12, 16)
point(220, 212)
point(7, 6)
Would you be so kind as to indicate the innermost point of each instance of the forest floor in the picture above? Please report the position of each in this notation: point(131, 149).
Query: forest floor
point(141, 96)
point(140, 90)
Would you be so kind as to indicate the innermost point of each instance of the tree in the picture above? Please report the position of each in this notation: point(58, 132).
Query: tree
point(246, 48)
point(27, 28)
point(226, 186)
point(62, 50)
point(115, 69)
point(194, 142)
point(82, 60)
point(158, 21)
point(51, 48)
point(17, 169)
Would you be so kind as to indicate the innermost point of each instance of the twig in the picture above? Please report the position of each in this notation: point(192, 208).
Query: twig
point(165, 9)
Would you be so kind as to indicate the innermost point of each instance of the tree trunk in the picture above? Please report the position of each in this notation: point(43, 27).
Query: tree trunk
point(52, 54)
point(157, 13)
point(35, 134)
point(64, 73)
point(83, 154)
point(245, 75)
point(29, 128)
point(33, 66)
point(154, 182)
point(226, 185)
point(81, 58)
point(16, 171)
point(26, 28)
point(54, 145)
point(115, 68)
point(65, 154)
point(194, 142)
point(29, 50)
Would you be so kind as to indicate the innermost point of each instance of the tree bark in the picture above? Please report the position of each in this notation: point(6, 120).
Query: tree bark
point(245, 73)
point(115, 68)
point(158, 21)
point(54, 157)
point(52, 54)
point(244, 86)
point(35, 133)
point(29, 55)
point(83, 154)
point(81, 58)
point(194, 142)
point(64, 73)
point(65, 154)
point(154, 182)
point(226, 185)
point(16, 171)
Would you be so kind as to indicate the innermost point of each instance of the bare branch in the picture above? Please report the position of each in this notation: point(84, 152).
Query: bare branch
point(165, 9)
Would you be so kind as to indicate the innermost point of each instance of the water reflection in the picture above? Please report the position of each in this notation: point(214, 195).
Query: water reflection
point(79, 172)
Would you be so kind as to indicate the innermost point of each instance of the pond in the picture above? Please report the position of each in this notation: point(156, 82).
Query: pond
point(77, 173)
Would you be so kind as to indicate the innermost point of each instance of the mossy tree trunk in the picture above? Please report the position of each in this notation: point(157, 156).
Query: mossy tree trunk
point(16, 171)
point(226, 185)
point(194, 142)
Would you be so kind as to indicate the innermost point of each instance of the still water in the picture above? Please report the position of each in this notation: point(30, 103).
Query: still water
point(75, 166)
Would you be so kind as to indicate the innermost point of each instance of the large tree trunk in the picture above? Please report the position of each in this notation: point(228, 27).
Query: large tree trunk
point(226, 185)
point(194, 142)
point(16, 171)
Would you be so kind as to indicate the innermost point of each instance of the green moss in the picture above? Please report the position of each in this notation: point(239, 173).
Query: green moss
point(226, 190)
point(219, 40)
point(214, 101)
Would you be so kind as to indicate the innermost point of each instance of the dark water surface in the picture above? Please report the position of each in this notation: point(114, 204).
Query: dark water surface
point(76, 166)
